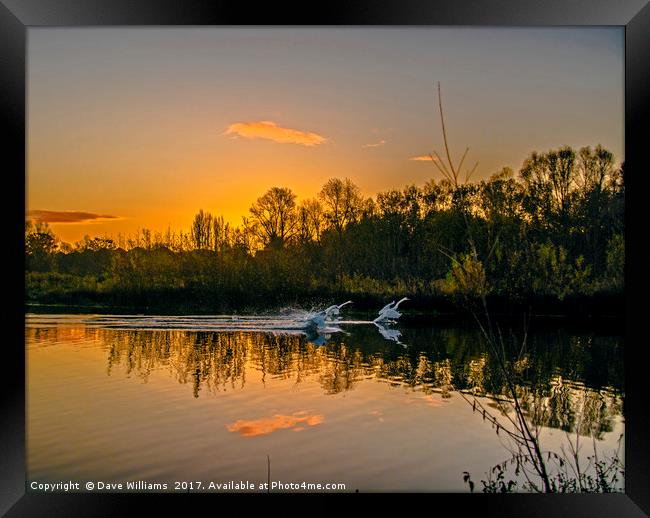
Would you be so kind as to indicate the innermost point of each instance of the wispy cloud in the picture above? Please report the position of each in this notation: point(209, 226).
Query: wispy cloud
point(67, 216)
point(271, 131)
point(423, 158)
point(376, 144)
point(267, 425)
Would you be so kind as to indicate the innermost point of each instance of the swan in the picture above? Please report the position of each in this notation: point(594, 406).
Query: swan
point(389, 311)
point(400, 301)
point(316, 319)
point(319, 318)
point(333, 311)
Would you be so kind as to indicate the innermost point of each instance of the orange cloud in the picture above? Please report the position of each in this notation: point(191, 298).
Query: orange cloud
point(424, 158)
point(431, 401)
point(66, 216)
point(267, 425)
point(376, 144)
point(271, 131)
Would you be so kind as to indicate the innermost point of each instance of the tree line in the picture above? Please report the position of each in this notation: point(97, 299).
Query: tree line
point(554, 229)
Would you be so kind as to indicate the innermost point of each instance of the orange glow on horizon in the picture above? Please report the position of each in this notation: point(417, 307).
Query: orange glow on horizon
point(172, 125)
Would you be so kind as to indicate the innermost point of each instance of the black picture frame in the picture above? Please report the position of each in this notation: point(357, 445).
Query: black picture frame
point(17, 16)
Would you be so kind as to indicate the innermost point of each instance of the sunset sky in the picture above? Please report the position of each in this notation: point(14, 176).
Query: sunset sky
point(142, 127)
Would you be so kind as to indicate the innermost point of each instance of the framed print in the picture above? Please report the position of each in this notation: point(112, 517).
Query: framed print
point(384, 249)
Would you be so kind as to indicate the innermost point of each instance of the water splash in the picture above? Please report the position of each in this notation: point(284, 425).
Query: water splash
point(316, 324)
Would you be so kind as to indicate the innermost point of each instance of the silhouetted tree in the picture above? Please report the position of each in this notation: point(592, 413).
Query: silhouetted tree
point(40, 244)
point(342, 202)
point(273, 216)
point(201, 232)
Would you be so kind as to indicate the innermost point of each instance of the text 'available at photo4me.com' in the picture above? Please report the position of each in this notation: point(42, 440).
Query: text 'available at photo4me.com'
point(229, 486)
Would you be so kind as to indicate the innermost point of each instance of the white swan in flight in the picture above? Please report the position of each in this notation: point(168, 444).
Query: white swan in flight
point(333, 311)
point(389, 312)
point(319, 318)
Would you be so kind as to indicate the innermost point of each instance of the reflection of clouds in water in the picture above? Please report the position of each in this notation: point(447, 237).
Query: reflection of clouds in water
point(427, 399)
point(431, 401)
point(270, 424)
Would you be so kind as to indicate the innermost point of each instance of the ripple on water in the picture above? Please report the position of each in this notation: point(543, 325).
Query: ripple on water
point(151, 398)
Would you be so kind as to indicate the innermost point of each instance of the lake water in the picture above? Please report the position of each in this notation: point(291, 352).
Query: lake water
point(119, 398)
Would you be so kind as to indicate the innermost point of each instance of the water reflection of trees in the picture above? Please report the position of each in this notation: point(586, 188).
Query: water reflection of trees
point(572, 407)
point(559, 384)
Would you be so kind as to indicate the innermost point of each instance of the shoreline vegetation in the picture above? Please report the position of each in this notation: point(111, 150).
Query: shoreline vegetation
point(550, 239)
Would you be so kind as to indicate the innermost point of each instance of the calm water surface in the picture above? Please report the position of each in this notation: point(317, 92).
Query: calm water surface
point(164, 399)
